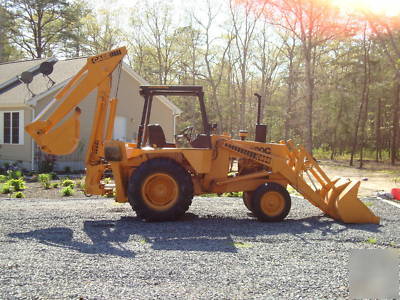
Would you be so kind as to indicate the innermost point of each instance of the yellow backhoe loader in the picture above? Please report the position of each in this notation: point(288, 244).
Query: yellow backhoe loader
point(159, 179)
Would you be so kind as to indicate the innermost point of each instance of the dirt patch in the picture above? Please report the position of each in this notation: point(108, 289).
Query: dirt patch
point(374, 177)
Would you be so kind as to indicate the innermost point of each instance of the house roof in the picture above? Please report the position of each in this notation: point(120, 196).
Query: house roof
point(41, 86)
point(18, 96)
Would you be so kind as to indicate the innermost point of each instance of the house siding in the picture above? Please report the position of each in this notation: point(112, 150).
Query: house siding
point(18, 152)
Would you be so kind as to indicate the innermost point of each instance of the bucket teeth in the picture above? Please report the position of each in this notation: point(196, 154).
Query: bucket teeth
point(333, 195)
point(346, 207)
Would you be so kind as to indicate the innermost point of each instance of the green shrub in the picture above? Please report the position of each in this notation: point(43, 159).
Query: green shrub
point(19, 195)
point(233, 194)
point(111, 194)
point(5, 188)
point(17, 184)
point(3, 178)
point(107, 180)
point(209, 195)
point(14, 174)
point(54, 185)
point(45, 177)
point(68, 182)
point(67, 191)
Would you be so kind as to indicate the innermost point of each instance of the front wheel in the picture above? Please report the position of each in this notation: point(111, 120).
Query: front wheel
point(271, 202)
point(160, 190)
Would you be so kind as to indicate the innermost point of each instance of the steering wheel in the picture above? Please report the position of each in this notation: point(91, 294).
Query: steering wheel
point(186, 133)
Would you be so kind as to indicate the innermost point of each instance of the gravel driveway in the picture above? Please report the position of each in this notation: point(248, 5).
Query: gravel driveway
point(94, 248)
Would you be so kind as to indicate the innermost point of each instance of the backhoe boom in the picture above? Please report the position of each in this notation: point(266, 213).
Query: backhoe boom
point(61, 139)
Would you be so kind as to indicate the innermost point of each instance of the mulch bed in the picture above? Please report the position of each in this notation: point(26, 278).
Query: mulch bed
point(36, 190)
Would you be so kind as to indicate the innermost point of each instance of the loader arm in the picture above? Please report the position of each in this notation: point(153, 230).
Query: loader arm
point(56, 137)
point(337, 198)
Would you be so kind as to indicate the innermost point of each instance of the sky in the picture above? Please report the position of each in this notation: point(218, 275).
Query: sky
point(181, 8)
point(388, 7)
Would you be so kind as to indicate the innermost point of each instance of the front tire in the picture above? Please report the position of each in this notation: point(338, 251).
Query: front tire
point(247, 200)
point(271, 202)
point(160, 190)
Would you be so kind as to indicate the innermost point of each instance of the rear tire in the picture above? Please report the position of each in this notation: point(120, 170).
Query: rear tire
point(271, 202)
point(160, 190)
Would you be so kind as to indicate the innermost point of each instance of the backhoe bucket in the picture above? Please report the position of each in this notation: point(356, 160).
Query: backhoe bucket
point(64, 139)
point(344, 205)
point(59, 141)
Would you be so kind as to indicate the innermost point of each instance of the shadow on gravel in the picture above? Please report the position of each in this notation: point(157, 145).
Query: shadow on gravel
point(191, 233)
point(63, 237)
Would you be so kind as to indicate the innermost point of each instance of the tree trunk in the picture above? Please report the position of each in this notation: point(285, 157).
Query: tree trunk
point(362, 102)
point(242, 119)
point(378, 139)
point(355, 138)
point(288, 114)
point(396, 107)
point(218, 108)
point(363, 129)
point(309, 99)
point(367, 80)
point(334, 140)
point(2, 36)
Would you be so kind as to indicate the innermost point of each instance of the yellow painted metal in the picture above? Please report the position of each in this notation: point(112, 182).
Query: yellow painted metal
point(199, 159)
point(222, 181)
point(160, 191)
point(243, 134)
point(97, 73)
point(111, 118)
point(272, 203)
point(282, 162)
point(336, 198)
point(119, 178)
point(350, 209)
point(93, 178)
point(62, 140)
point(97, 69)
point(96, 140)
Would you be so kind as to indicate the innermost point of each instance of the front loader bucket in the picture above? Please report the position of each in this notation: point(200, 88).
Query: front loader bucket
point(344, 205)
point(337, 198)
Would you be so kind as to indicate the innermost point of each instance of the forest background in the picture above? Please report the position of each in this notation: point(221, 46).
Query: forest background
point(329, 77)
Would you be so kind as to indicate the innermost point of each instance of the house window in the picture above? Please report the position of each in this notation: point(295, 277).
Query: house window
point(11, 127)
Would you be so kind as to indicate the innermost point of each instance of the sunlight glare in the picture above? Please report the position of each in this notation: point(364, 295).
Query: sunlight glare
point(382, 7)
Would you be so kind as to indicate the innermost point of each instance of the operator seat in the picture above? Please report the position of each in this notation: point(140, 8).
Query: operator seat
point(157, 137)
point(201, 141)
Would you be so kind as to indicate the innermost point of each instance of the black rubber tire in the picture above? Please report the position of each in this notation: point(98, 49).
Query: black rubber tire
point(171, 168)
point(247, 200)
point(256, 202)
